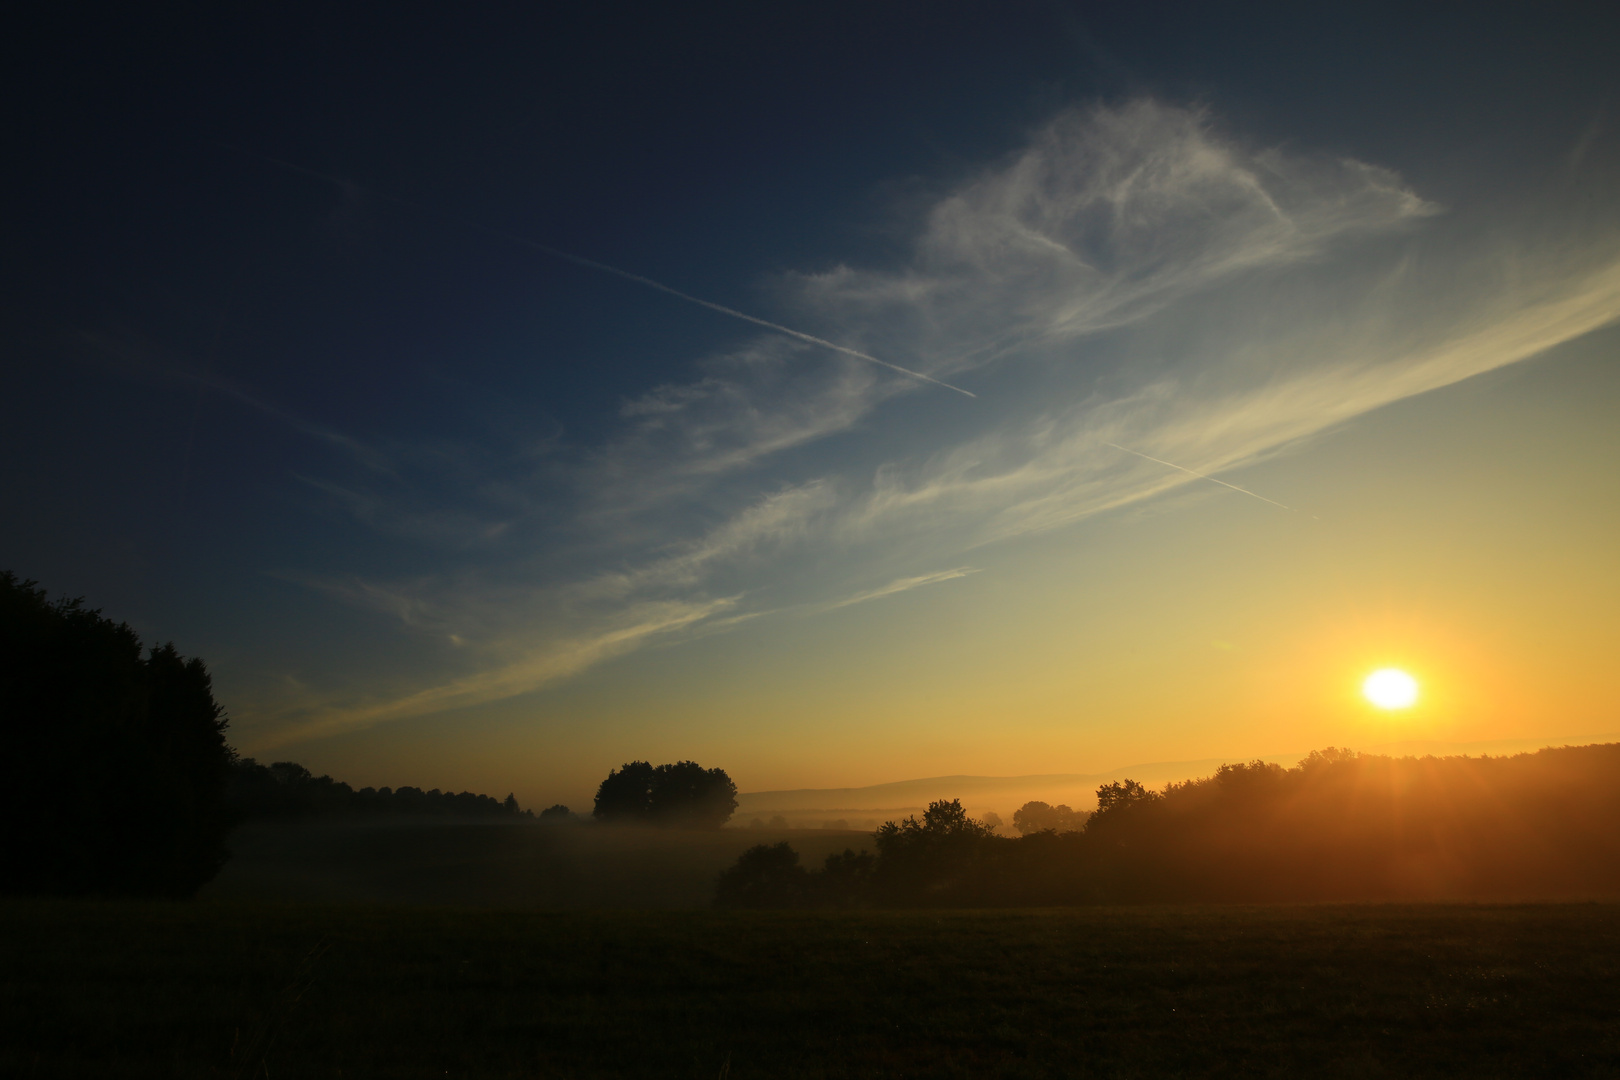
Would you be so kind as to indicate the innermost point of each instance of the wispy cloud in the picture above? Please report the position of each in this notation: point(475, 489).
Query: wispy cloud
point(1199, 475)
point(1109, 215)
point(537, 666)
point(773, 521)
point(900, 585)
point(1057, 466)
point(753, 403)
point(1133, 277)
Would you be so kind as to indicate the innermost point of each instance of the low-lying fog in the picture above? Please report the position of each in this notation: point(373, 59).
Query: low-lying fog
point(495, 864)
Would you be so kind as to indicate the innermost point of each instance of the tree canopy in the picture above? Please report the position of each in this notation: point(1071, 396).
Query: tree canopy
point(113, 760)
point(1036, 816)
point(285, 789)
point(682, 795)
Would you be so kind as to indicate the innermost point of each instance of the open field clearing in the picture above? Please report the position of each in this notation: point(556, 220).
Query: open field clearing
point(227, 989)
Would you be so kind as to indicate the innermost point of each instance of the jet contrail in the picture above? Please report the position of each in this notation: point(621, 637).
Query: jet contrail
point(1201, 476)
point(722, 309)
point(578, 260)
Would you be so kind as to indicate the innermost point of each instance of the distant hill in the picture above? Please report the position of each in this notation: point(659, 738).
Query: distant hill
point(870, 806)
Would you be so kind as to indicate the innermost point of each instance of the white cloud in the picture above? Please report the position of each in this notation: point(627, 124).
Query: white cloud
point(773, 521)
point(1107, 216)
point(772, 395)
point(1056, 467)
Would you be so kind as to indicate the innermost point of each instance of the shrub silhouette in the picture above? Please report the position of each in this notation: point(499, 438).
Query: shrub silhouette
point(683, 795)
point(113, 764)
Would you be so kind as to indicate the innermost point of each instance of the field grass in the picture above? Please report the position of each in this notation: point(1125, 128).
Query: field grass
point(228, 989)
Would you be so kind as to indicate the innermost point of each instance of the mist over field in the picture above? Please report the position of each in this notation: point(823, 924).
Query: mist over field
point(867, 807)
point(1338, 826)
point(498, 865)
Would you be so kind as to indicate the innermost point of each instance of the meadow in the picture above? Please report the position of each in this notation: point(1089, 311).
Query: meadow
point(236, 989)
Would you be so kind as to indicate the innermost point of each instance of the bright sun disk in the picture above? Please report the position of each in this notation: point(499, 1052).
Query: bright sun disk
point(1390, 688)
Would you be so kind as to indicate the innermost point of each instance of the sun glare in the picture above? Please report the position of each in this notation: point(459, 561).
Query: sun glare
point(1390, 688)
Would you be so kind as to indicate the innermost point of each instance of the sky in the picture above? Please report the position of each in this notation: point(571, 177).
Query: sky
point(832, 393)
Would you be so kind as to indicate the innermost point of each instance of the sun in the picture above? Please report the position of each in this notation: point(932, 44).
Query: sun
point(1390, 688)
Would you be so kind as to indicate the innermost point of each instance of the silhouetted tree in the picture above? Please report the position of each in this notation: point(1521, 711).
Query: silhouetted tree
point(684, 794)
point(1037, 816)
point(290, 774)
point(764, 876)
point(626, 794)
point(1120, 796)
point(844, 881)
point(112, 764)
point(945, 822)
point(559, 812)
point(933, 860)
point(689, 796)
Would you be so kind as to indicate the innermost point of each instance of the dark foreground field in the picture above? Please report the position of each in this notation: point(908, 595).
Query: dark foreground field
point(204, 990)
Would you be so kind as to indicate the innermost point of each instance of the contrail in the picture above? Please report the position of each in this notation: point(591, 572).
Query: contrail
point(1201, 476)
point(579, 260)
point(722, 309)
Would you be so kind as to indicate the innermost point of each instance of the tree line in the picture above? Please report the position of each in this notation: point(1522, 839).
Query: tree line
point(113, 759)
point(117, 778)
point(1338, 826)
point(683, 794)
point(285, 789)
point(680, 795)
point(115, 774)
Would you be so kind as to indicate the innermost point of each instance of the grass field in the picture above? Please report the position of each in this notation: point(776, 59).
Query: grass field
point(227, 989)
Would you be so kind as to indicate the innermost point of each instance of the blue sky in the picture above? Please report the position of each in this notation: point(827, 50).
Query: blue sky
point(300, 381)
